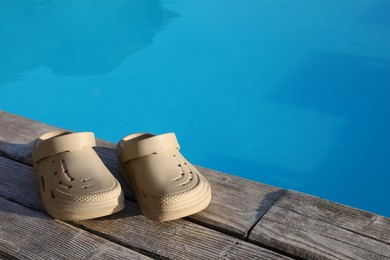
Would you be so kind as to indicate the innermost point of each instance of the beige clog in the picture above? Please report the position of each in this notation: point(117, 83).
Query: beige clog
point(74, 183)
point(166, 185)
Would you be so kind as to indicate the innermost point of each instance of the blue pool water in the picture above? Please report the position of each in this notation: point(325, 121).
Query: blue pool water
point(290, 93)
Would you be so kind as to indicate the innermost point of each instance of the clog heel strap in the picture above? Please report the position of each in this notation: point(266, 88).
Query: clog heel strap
point(61, 141)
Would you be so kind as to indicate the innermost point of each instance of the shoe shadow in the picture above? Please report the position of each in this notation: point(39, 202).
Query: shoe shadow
point(268, 201)
point(110, 159)
point(21, 152)
point(17, 181)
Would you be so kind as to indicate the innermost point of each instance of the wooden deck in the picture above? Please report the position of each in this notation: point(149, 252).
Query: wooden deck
point(245, 220)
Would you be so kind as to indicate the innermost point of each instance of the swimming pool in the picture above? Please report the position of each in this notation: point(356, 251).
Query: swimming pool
point(293, 94)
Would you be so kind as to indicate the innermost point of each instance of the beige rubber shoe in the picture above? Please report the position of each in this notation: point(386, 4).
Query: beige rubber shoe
point(74, 183)
point(166, 185)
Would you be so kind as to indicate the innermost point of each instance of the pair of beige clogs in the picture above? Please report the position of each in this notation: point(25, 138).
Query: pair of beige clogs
point(74, 183)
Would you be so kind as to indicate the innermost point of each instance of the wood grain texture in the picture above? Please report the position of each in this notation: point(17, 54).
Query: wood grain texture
point(17, 136)
point(180, 239)
point(27, 234)
point(237, 204)
point(313, 228)
point(17, 183)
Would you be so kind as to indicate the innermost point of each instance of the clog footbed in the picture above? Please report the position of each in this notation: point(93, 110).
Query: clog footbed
point(73, 182)
point(166, 185)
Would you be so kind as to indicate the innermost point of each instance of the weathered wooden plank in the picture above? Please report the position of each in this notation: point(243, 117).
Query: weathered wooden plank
point(175, 239)
point(179, 239)
point(298, 224)
point(27, 234)
point(17, 183)
point(237, 204)
point(313, 228)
